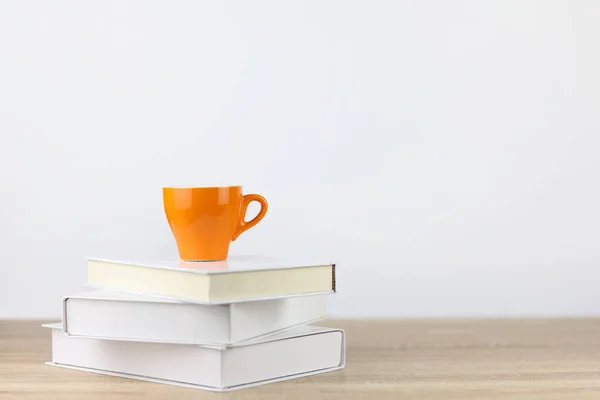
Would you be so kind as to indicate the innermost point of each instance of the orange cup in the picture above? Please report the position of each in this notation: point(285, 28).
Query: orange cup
point(204, 220)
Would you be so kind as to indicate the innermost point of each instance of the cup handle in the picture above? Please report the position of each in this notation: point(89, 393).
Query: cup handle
point(243, 226)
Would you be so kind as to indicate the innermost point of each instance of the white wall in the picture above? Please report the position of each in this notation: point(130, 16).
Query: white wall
point(444, 153)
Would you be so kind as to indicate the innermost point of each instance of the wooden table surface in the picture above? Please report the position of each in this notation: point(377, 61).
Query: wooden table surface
point(406, 359)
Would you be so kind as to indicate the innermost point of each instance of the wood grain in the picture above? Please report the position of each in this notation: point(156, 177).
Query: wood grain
point(412, 359)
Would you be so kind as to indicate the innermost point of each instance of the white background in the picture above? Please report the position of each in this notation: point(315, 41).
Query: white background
point(444, 153)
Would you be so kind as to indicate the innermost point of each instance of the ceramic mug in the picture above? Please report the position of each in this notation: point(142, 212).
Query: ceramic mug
point(205, 220)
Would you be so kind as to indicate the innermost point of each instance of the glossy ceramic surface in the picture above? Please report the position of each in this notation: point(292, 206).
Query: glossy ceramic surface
point(204, 220)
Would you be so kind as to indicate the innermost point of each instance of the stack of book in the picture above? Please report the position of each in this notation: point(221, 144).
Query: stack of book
point(209, 325)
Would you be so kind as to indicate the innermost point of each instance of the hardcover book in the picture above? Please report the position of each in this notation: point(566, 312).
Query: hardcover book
point(221, 282)
point(109, 314)
point(303, 351)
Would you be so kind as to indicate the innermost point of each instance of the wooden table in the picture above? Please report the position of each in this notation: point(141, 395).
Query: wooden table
point(408, 359)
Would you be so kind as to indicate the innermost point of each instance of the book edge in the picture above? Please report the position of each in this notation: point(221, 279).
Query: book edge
point(192, 386)
point(248, 342)
point(204, 272)
point(195, 301)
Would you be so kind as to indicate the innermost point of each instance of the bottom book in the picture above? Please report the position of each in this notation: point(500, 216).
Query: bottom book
point(302, 351)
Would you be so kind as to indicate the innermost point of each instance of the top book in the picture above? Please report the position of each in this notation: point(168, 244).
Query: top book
point(219, 282)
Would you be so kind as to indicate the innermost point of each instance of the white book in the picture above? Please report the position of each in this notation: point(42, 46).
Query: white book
point(303, 351)
point(124, 316)
point(219, 282)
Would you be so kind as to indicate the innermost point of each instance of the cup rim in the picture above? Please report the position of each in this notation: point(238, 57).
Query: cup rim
point(201, 186)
